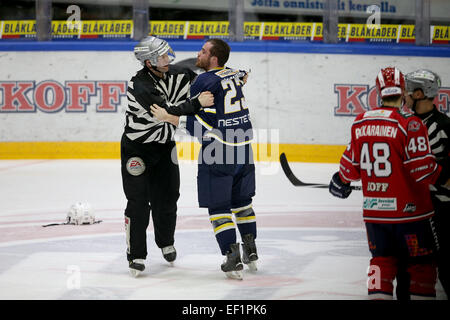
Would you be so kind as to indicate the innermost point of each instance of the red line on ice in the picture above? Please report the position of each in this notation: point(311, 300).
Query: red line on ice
point(319, 219)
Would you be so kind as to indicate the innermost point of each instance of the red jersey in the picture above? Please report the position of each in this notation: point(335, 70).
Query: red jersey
point(389, 151)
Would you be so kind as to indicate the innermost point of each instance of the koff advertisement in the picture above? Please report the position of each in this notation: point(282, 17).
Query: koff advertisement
point(305, 98)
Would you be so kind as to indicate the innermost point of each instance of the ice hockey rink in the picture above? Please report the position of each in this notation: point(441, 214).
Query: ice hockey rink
point(312, 246)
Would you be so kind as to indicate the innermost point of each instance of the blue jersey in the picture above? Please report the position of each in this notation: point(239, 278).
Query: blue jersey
point(228, 120)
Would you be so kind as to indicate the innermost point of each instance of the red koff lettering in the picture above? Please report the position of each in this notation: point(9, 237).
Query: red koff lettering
point(14, 96)
point(49, 96)
point(79, 94)
point(349, 99)
point(110, 93)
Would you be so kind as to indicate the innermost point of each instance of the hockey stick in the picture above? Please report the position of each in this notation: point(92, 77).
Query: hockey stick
point(296, 182)
point(66, 223)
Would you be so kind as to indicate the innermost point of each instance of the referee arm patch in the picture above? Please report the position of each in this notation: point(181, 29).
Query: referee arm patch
point(135, 166)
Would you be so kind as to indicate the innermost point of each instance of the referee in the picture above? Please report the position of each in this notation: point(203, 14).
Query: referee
point(422, 87)
point(150, 176)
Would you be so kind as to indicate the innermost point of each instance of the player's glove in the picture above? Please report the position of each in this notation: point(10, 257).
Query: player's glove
point(338, 188)
point(243, 76)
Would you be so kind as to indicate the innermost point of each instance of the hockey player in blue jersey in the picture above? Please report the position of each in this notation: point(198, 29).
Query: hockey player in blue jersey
point(226, 171)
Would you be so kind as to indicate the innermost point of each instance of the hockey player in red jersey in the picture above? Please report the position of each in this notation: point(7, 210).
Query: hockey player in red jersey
point(390, 153)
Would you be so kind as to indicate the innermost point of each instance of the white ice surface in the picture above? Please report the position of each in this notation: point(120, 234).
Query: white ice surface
point(311, 245)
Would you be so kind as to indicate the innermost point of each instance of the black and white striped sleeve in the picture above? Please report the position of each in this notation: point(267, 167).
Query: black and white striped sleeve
point(140, 125)
point(438, 134)
point(439, 140)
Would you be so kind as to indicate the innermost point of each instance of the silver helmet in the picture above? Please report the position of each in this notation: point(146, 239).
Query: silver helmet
point(423, 79)
point(151, 48)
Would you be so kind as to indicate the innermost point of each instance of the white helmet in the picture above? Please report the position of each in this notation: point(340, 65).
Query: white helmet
point(423, 79)
point(151, 48)
point(80, 213)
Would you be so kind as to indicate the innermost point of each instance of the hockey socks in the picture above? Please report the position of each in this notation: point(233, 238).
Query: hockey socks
point(246, 220)
point(224, 229)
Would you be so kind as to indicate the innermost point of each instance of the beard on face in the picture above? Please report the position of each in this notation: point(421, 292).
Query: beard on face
point(203, 64)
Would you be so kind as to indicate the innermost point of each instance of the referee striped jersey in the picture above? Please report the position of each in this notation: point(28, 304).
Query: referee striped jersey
point(171, 92)
point(438, 125)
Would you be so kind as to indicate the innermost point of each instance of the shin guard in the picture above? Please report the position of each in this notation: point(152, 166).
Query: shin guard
point(381, 274)
point(423, 281)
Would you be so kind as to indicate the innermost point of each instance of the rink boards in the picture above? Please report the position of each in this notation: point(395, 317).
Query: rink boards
point(70, 101)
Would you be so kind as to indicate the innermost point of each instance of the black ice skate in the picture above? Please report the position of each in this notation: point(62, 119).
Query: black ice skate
point(169, 253)
point(232, 266)
point(249, 254)
point(136, 267)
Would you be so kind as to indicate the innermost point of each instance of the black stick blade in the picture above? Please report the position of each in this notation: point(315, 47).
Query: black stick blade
point(291, 176)
point(298, 183)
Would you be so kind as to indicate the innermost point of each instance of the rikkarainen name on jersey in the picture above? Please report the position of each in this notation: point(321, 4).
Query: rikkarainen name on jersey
point(376, 131)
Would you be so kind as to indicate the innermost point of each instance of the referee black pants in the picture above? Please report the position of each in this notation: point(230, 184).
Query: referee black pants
point(442, 211)
point(154, 188)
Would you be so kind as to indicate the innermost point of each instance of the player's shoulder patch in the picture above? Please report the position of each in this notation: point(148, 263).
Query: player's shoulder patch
point(414, 125)
point(377, 113)
point(226, 72)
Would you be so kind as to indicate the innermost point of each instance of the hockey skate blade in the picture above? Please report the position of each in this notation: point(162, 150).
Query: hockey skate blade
point(237, 275)
point(252, 266)
point(135, 273)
